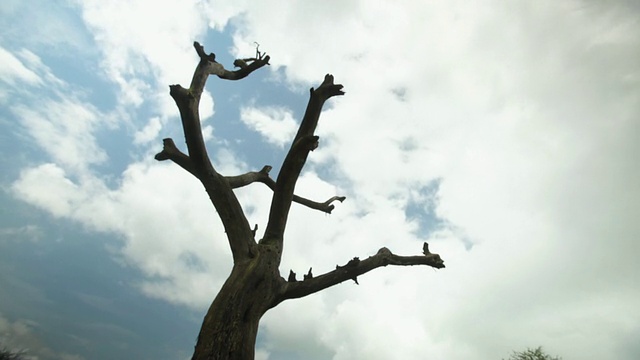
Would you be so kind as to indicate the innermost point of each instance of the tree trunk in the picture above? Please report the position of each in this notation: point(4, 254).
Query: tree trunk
point(230, 327)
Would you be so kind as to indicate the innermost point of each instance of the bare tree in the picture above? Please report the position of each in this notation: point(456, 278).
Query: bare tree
point(532, 354)
point(255, 285)
point(7, 354)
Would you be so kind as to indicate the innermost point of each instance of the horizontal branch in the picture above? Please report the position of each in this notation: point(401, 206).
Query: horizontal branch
point(262, 176)
point(326, 206)
point(210, 66)
point(171, 152)
point(354, 268)
point(239, 181)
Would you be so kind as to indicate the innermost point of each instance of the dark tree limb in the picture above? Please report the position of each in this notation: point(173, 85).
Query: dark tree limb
point(262, 176)
point(212, 67)
point(239, 181)
point(197, 162)
point(171, 152)
point(326, 206)
point(304, 142)
point(354, 268)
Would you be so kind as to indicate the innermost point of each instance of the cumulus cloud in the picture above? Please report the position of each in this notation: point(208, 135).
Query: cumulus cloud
point(275, 124)
point(176, 257)
point(149, 132)
point(55, 115)
point(65, 129)
point(35, 185)
point(144, 56)
point(527, 131)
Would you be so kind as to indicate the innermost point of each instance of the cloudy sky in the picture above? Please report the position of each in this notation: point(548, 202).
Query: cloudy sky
point(504, 133)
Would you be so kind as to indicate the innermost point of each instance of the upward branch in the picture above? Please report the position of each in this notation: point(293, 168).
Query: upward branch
point(304, 142)
point(197, 161)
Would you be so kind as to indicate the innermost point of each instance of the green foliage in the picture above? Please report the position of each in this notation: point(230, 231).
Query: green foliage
point(532, 354)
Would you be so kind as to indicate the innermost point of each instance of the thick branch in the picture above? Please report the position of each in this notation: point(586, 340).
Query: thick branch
point(304, 142)
point(171, 152)
point(354, 268)
point(188, 102)
point(250, 177)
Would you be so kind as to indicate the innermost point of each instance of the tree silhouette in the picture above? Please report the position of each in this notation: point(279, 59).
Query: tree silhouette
point(6, 354)
point(255, 285)
point(532, 354)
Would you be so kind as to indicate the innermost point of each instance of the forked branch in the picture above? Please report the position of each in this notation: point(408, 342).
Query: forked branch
point(304, 142)
point(354, 268)
point(171, 152)
point(197, 161)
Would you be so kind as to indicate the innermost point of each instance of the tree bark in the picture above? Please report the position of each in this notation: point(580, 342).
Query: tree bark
point(254, 286)
point(230, 326)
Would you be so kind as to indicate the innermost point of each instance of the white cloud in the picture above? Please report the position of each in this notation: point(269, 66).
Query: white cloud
point(55, 115)
point(206, 109)
point(47, 187)
point(139, 52)
point(525, 115)
point(13, 70)
point(66, 126)
point(275, 124)
point(65, 129)
point(143, 56)
point(149, 132)
point(178, 259)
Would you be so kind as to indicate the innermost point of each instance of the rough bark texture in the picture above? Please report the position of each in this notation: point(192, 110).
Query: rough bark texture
point(255, 285)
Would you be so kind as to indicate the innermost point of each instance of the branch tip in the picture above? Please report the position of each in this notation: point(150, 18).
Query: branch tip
point(200, 51)
point(335, 198)
point(266, 169)
point(308, 275)
point(425, 249)
point(161, 156)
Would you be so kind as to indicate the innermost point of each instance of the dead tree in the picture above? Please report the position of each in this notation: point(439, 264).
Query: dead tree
point(255, 285)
